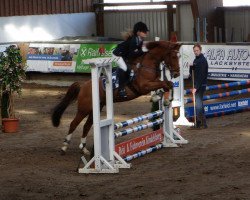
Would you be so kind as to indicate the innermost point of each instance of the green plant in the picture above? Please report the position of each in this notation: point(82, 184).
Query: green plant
point(12, 73)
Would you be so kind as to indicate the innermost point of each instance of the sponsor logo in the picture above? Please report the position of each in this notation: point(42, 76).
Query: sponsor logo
point(176, 84)
point(243, 103)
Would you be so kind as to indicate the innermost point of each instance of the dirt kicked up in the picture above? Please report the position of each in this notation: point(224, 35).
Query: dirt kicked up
point(214, 165)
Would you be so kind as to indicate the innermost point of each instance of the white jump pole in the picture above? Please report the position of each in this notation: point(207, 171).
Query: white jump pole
point(171, 136)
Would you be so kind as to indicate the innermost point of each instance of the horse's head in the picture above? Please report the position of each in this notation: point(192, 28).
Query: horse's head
point(167, 52)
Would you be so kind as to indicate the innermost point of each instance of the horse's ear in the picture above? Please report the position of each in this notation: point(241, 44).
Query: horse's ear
point(152, 45)
point(175, 46)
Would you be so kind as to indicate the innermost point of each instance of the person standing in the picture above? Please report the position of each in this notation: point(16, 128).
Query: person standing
point(200, 70)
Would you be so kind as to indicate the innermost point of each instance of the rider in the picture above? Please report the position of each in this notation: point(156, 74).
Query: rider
point(131, 48)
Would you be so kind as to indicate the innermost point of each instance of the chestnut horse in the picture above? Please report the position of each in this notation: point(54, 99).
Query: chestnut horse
point(146, 80)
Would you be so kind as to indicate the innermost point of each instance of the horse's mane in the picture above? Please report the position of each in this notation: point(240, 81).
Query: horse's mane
point(163, 44)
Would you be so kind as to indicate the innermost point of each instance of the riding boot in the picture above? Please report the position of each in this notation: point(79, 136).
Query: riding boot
point(122, 75)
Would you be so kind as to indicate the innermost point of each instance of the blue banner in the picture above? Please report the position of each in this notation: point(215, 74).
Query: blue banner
point(227, 106)
point(228, 76)
point(44, 57)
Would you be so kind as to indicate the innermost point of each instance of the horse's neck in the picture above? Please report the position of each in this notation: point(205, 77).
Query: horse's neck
point(151, 59)
point(148, 60)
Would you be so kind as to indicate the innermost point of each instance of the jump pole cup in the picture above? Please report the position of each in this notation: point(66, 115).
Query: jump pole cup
point(194, 100)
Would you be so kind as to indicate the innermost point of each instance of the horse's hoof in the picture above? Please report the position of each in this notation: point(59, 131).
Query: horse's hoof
point(62, 152)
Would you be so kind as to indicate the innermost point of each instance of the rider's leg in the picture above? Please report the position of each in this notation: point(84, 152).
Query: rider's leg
point(120, 62)
point(122, 74)
point(123, 78)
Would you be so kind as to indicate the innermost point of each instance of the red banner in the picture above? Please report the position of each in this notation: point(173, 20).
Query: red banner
point(140, 143)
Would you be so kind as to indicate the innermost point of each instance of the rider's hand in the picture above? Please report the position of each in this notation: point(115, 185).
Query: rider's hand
point(194, 91)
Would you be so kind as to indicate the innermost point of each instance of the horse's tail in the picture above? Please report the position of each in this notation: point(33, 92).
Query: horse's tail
point(70, 96)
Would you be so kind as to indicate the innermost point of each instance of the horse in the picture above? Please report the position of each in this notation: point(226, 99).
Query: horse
point(147, 79)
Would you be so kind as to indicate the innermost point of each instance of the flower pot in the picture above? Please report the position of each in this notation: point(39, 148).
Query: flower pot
point(10, 125)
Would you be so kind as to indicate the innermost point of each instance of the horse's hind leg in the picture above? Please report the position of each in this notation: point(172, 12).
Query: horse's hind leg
point(76, 121)
point(86, 129)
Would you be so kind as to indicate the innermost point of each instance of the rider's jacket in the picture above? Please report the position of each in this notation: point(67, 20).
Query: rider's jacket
point(130, 48)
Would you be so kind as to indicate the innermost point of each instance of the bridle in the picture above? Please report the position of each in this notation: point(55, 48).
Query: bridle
point(168, 64)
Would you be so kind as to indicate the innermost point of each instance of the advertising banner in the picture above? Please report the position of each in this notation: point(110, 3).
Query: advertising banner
point(227, 106)
point(90, 51)
point(68, 58)
point(52, 57)
point(226, 62)
point(140, 143)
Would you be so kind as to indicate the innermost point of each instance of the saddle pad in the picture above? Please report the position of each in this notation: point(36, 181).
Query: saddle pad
point(115, 81)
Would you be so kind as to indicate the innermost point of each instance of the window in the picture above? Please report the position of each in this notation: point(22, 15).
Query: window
point(236, 3)
point(135, 7)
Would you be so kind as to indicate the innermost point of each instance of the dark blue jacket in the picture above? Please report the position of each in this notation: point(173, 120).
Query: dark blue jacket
point(200, 71)
point(131, 48)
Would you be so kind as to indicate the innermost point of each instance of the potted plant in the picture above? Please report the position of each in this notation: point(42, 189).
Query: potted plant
point(12, 73)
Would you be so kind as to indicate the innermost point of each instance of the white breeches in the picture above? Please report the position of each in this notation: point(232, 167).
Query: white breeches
point(120, 62)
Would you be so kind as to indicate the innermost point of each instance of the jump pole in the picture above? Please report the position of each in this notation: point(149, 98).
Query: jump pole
point(221, 86)
point(221, 95)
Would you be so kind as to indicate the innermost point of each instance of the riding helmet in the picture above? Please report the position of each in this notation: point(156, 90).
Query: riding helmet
point(140, 26)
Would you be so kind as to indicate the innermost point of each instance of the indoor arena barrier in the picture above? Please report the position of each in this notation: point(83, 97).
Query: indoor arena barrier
point(223, 107)
point(221, 86)
point(221, 95)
